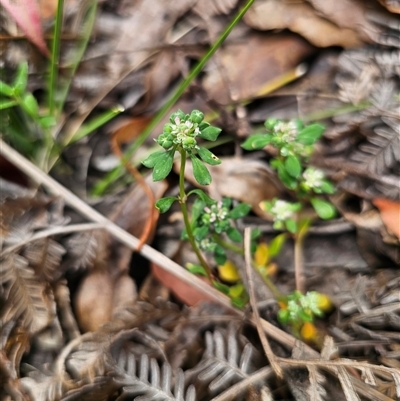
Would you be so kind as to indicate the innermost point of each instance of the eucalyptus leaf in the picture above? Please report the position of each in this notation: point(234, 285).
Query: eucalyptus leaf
point(164, 204)
point(208, 157)
point(200, 172)
point(325, 210)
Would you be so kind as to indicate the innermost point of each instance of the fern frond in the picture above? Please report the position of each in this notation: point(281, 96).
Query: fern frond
point(224, 362)
point(24, 296)
point(149, 383)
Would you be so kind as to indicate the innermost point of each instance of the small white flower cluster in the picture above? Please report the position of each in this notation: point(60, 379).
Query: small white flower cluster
point(281, 210)
point(287, 131)
point(313, 177)
point(216, 212)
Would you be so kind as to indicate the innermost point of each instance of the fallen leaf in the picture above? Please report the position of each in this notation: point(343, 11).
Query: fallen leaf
point(249, 64)
point(302, 19)
point(390, 214)
point(27, 16)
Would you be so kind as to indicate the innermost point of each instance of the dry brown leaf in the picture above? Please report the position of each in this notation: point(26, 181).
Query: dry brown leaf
point(249, 181)
point(392, 5)
point(251, 63)
point(100, 296)
point(390, 214)
point(302, 19)
point(208, 8)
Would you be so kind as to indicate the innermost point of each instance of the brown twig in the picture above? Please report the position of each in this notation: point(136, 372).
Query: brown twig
point(253, 302)
point(148, 228)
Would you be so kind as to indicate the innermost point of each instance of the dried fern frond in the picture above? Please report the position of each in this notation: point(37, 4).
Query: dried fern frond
point(225, 361)
point(149, 382)
point(24, 297)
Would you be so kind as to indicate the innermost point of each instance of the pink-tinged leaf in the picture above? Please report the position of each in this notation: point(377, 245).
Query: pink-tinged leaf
point(26, 14)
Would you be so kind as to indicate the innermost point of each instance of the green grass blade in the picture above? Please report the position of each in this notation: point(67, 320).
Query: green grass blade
point(118, 171)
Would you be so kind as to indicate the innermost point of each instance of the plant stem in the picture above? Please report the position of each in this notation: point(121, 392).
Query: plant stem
point(182, 201)
point(117, 172)
point(298, 254)
point(225, 244)
point(275, 292)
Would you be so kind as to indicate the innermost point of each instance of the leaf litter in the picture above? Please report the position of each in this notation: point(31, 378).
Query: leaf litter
point(74, 325)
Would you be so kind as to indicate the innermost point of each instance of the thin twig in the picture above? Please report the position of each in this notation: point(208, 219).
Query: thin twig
point(236, 389)
point(253, 302)
point(131, 242)
point(53, 231)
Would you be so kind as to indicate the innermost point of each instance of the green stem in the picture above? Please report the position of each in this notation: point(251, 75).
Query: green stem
point(227, 245)
point(55, 54)
point(182, 201)
point(275, 292)
point(117, 172)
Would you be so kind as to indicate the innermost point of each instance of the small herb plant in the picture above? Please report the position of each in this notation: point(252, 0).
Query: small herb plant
point(210, 228)
point(293, 144)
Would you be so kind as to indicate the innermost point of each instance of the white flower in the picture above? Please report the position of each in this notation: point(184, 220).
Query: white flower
point(313, 177)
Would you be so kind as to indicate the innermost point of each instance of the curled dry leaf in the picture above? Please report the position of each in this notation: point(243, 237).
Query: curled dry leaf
point(108, 287)
point(249, 181)
point(390, 214)
point(302, 19)
point(251, 63)
point(100, 296)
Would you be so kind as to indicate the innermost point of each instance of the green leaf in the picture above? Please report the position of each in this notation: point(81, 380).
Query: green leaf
point(276, 245)
point(47, 121)
point(164, 204)
point(210, 133)
point(255, 233)
point(200, 232)
point(30, 105)
point(291, 225)
point(325, 210)
point(21, 79)
point(196, 269)
point(310, 134)
point(327, 187)
point(208, 157)
point(6, 104)
point(163, 166)
point(202, 195)
point(287, 180)
point(219, 255)
point(6, 90)
point(293, 166)
point(257, 141)
point(234, 234)
point(239, 211)
point(152, 159)
point(200, 172)
point(221, 287)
